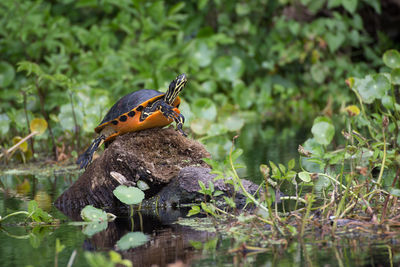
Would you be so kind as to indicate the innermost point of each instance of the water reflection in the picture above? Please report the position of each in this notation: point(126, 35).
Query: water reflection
point(168, 242)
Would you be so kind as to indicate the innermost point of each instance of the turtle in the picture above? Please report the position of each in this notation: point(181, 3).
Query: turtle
point(139, 110)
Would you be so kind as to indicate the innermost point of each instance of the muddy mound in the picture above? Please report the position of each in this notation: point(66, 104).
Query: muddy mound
point(153, 156)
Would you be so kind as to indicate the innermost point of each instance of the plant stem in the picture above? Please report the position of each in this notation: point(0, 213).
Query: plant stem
point(27, 121)
point(310, 200)
point(13, 214)
point(77, 144)
point(11, 149)
point(46, 117)
point(383, 160)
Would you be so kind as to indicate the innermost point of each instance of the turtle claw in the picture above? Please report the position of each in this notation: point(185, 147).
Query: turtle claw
point(168, 112)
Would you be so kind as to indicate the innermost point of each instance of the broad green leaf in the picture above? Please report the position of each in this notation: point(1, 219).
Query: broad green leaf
point(204, 108)
point(92, 214)
point(305, 177)
point(203, 54)
point(94, 227)
point(318, 72)
point(275, 170)
point(38, 125)
point(282, 167)
point(396, 76)
point(372, 87)
point(200, 126)
point(376, 4)
point(323, 130)
point(394, 191)
point(59, 247)
point(194, 210)
point(230, 202)
point(392, 59)
point(234, 122)
point(129, 195)
point(32, 206)
point(66, 117)
point(350, 5)
point(242, 94)
point(4, 124)
point(7, 74)
point(132, 240)
point(229, 68)
point(209, 86)
point(334, 41)
point(291, 164)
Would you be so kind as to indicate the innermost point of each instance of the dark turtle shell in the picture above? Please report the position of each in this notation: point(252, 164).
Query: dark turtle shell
point(128, 103)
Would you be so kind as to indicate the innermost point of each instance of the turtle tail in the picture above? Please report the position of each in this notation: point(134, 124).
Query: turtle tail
point(86, 157)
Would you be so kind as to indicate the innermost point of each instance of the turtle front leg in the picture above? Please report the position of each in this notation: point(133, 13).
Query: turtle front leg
point(87, 156)
point(168, 111)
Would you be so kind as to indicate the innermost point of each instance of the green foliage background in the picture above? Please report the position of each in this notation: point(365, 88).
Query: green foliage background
point(264, 63)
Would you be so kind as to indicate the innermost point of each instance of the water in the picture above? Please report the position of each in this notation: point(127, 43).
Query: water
point(170, 242)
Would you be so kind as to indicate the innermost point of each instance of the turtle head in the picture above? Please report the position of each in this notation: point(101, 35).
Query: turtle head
point(175, 87)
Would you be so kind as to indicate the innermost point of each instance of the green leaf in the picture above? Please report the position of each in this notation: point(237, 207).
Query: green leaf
point(242, 94)
point(234, 122)
point(4, 124)
point(305, 177)
point(323, 130)
point(94, 227)
point(196, 244)
point(30, 67)
point(396, 76)
point(230, 202)
point(319, 72)
point(394, 191)
point(229, 68)
point(204, 108)
point(203, 54)
point(92, 214)
point(59, 246)
point(372, 87)
point(275, 170)
point(350, 5)
point(211, 186)
point(218, 193)
point(129, 195)
point(375, 4)
point(334, 41)
point(32, 206)
point(7, 74)
point(291, 164)
point(200, 126)
point(194, 210)
point(202, 186)
point(392, 58)
point(282, 167)
point(132, 240)
point(66, 117)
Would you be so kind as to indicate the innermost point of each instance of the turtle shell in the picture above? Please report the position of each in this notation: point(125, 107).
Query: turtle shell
point(136, 100)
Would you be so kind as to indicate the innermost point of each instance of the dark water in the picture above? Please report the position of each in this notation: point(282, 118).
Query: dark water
point(169, 242)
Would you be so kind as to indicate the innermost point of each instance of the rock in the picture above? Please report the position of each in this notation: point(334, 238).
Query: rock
point(153, 156)
point(184, 189)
